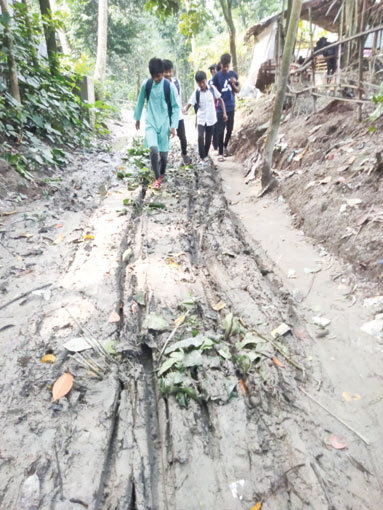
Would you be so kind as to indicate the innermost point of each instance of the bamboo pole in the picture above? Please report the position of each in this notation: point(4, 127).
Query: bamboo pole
point(313, 61)
point(268, 181)
point(361, 51)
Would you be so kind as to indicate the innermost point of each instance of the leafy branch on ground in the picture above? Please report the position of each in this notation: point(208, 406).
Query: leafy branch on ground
point(202, 366)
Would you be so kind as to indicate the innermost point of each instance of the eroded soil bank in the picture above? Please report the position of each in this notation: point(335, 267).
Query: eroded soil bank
point(330, 173)
point(217, 421)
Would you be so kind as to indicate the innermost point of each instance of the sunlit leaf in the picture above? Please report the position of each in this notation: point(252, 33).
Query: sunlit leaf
point(180, 320)
point(242, 386)
point(62, 386)
point(219, 306)
point(337, 442)
point(59, 239)
point(114, 317)
point(278, 363)
point(48, 358)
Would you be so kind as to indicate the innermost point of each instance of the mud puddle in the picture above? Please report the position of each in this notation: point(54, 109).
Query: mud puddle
point(194, 404)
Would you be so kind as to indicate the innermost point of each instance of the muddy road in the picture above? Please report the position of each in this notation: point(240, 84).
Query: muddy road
point(186, 397)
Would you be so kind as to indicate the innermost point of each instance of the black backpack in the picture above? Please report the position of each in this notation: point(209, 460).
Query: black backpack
point(148, 88)
point(198, 95)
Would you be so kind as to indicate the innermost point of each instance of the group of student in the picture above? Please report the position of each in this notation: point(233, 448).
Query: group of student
point(213, 101)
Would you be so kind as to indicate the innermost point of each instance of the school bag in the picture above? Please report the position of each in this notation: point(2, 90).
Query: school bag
point(197, 98)
point(178, 86)
point(148, 88)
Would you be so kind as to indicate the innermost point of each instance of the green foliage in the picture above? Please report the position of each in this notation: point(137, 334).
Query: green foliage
point(163, 8)
point(19, 162)
point(51, 118)
point(138, 162)
point(378, 102)
point(193, 20)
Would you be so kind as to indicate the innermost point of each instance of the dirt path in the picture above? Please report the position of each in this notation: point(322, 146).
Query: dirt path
point(224, 425)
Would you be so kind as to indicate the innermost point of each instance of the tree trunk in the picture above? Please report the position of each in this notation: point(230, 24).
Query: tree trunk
point(27, 21)
point(50, 34)
point(268, 180)
point(62, 35)
point(100, 70)
point(12, 70)
point(227, 14)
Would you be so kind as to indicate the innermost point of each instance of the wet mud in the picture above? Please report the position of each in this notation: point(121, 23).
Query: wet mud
point(246, 433)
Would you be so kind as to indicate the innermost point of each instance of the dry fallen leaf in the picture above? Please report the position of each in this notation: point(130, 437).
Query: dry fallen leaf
point(180, 320)
point(62, 386)
point(281, 330)
point(219, 306)
point(174, 264)
point(58, 240)
point(58, 225)
point(300, 334)
point(48, 358)
point(339, 443)
point(357, 396)
point(88, 236)
point(8, 213)
point(258, 506)
point(278, 363)
point(243, 386)
point(114, 317)
point(347, 397)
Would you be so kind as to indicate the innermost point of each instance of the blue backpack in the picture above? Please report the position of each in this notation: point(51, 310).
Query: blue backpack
point(148, 88)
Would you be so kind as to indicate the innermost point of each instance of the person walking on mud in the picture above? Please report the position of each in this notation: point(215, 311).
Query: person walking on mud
point(161, 117)
point(203, 99)
point(226, 82)
point(213, 71)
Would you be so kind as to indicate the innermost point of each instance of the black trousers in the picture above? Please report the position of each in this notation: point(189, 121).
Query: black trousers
point(158, 165)
point(221, 125)
point(182, 136)
point(215, 136)
point(204, 139)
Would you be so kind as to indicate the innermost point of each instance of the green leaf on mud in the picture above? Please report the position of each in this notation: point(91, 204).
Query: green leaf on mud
point(157, 205)
point(192, 359)
point(175, 357)
point(109, 346)
point(224, 351)
point(156, 322)
point(249, 339)
point(264, 371)
point(140, 297)
point(232, 326)
point(195, 342)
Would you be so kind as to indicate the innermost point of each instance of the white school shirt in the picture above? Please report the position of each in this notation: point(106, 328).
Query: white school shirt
point(178, 96)
point(206, 112)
